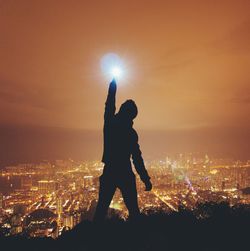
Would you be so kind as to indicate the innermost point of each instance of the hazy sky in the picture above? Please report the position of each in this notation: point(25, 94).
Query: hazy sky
point(188, 71)
point(188, 61)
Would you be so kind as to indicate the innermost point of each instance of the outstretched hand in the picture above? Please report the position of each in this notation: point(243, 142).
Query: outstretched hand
point(148, 185)
point(113, 82)
point(112, 86)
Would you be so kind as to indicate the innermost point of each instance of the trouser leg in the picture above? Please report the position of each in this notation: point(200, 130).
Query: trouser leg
point(129, 193)
point(106, 193)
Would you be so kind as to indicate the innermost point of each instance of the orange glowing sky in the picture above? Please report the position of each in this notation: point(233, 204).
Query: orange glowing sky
point(189, 62)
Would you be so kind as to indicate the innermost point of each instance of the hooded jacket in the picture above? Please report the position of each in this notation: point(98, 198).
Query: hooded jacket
point(120, 142)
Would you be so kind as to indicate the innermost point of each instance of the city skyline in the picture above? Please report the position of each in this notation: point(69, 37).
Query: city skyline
point(49, 198)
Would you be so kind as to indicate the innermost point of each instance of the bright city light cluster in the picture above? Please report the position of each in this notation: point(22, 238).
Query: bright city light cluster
point(43, 199)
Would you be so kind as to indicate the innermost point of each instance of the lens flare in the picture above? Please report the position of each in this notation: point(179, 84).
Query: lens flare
point(112, 66)
point(116, 72)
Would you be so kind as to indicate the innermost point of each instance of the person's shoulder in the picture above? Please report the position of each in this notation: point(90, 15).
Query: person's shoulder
point(134, 134)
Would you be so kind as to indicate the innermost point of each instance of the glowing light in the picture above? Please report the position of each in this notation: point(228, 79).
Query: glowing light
point(116, 72)
point(112, 66)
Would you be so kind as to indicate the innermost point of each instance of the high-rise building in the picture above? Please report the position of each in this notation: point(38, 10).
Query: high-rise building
point(68, 221)
point(168, 163)
point(59, 210)
point(59, 206)
point(1, 201)
point(88, 181)
point(46, 186)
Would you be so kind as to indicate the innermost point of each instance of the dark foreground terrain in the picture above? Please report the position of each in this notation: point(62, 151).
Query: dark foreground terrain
point(209, 227)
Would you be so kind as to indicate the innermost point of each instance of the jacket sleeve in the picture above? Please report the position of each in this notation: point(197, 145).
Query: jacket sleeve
point(138, 160)
point(110, 102)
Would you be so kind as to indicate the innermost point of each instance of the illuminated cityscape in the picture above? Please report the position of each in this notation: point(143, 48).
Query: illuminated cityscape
point(49, 198)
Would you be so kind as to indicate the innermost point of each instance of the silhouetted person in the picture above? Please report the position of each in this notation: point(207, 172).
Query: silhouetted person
point(120, 143)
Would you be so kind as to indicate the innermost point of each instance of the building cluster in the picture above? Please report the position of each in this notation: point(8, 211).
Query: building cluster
point(49, 198)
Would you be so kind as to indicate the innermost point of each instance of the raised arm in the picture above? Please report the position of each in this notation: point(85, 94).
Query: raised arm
point(110, 102)
point(139, 163)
